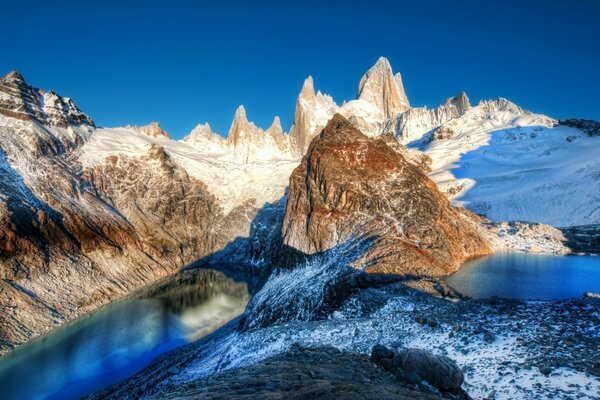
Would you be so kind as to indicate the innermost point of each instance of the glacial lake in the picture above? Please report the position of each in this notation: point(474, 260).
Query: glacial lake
point(528, 276)
point(121, 338)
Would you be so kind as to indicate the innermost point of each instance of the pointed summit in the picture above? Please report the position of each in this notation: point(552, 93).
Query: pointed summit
point(240, 114)
point(308, 90)
point(13, 76)
point(275, 129)
point(312, 113)
point(240, 127)
point(382, 88)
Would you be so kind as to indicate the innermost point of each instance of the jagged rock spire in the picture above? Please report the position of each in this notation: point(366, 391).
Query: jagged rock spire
point(275, 129)
point(382, 88)
point(312, 112)
point(308, 90)
point(239, 126)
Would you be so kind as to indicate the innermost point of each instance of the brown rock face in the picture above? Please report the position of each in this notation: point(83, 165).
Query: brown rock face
point(349, 184)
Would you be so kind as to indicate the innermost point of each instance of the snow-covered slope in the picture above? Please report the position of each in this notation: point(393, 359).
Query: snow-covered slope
point(503, 162)
point(232, 181)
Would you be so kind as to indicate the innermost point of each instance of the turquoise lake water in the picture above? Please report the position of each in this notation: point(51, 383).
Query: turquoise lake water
point(528, 276)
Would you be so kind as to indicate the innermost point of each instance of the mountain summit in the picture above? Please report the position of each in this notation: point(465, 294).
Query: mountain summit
point(382, 88)
point(23, 102)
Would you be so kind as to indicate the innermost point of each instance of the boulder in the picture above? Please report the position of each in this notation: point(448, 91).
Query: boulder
point(439, 371)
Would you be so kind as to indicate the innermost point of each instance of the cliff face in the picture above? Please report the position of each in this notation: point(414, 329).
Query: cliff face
point(382, 88)
point(349, 185)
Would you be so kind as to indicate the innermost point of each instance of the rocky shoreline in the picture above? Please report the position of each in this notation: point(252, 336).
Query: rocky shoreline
point(506, 349)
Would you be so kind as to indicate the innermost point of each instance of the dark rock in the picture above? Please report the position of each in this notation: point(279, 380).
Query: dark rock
point(387, 364)
point(488, 336)
point(378, 352)
point(590, 127)
point(545, 370)
point(410, 377)
point(440, 371)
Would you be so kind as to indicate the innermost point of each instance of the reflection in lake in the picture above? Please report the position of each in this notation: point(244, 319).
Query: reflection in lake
point(121, 338)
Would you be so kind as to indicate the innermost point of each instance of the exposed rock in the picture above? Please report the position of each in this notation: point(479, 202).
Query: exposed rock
point(416, 122)
point(460, 101)
point(583, 238)
point(440, 371)
point(378, 352)
point(349, 185)
point(299, 373)
point(502, 104)
point(382, 88)
point(21, 101)
point(590, 127)
point(153, 130)
point(311, 115)
point(202, 137)
point(249, 143)
point(525, 237)
point(441, 133)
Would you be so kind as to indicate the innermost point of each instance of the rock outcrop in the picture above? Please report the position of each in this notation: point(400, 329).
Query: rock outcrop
point(153, 130)
point(415, 365)
point(416, 122)
point(349, 185)
point(590, 127)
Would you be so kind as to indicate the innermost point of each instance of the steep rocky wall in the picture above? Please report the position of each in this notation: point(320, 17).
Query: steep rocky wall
point(350, 185)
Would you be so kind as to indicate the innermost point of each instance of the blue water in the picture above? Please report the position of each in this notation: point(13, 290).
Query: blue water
point(528, 276)
point(120, 339)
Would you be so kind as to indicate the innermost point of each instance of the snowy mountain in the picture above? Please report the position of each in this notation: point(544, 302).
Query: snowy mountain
point(88, 214)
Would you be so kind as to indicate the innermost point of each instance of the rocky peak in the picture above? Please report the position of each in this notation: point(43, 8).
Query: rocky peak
point(202, 137)
point(240, 127)
point(21, 101)
point(153, 129)
point(275, 129)
point(311, 115)
point(307, 93)
point(460, 101)
point(13, 76)
point(351, 186)
point(200, 131)
point(501, 104)
point(382, 88)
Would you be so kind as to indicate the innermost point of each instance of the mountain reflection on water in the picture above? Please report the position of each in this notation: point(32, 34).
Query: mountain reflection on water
point(121, 338)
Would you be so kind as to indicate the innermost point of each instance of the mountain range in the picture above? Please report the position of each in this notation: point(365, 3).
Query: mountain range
point(88, 214)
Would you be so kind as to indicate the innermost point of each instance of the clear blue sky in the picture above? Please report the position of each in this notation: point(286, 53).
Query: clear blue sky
point(183, 62)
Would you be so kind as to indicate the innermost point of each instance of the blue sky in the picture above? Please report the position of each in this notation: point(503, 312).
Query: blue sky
point(185, 62)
